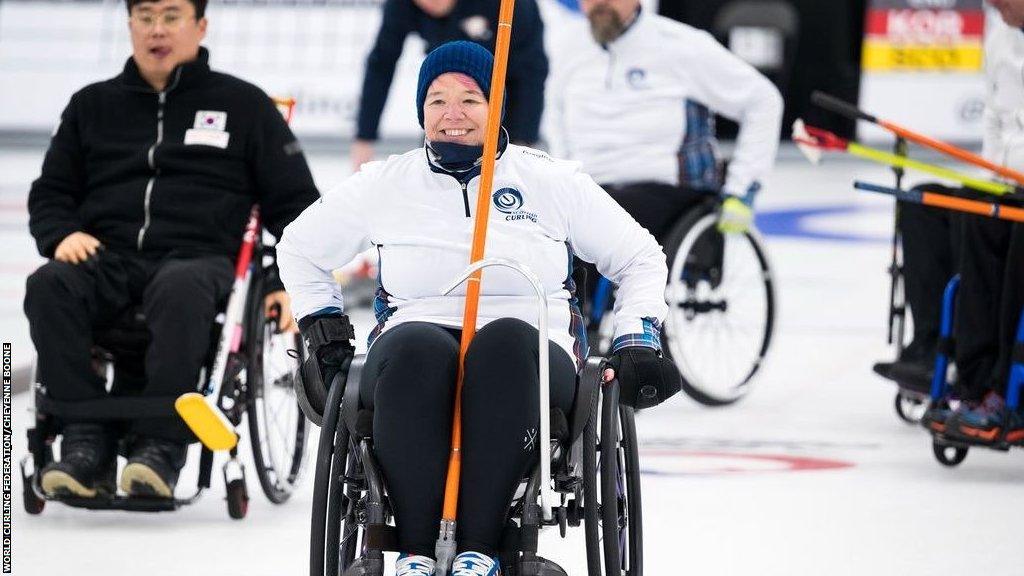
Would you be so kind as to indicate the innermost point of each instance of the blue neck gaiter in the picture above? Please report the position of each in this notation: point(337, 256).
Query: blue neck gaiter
point(461, 161)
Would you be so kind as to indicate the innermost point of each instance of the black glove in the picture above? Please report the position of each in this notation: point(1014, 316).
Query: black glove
point(645, 377)
point(329, 343)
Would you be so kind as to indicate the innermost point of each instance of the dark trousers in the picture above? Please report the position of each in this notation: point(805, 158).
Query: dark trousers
point(655, 206)
point(409, 380)
point(990, 304)
point(989, 255)
point(931, 238)
point(179, 297)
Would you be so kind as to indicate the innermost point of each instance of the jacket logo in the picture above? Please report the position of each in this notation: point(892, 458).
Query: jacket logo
point(211, 120)
point(637, 78)
point(509, 201)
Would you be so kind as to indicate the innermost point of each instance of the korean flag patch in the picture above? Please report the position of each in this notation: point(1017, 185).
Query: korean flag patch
point(211, 120)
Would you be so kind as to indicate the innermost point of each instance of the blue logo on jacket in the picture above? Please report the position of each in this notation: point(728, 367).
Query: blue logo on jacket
point(637, 78)
point(507, 200)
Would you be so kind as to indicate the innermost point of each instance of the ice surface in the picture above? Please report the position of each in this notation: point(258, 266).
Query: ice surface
point(710, 508)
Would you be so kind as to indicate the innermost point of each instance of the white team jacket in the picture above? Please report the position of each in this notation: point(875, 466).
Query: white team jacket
point(542, 211)
point(1003, 141)
point(620, 110)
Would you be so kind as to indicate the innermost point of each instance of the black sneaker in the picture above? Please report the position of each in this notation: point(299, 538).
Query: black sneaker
point(153, 467)
point(912, 375)
point(87, 466)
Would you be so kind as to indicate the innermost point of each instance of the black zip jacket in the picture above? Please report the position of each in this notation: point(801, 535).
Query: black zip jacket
point(129, 165)
point(473, 20)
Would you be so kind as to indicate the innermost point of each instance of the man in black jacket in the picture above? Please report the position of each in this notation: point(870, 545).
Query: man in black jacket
point(440, 21)
point(143, 198)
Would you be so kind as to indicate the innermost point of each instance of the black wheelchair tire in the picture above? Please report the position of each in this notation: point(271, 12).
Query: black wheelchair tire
point(591, 513)
point(941, 452)
point(276, 491)
point(636, 524)
point(341, 516)
point(605, 516)
point(903, 404)
point(33, 504)
point(672, 244)
point(325, 477)
point(238, 499)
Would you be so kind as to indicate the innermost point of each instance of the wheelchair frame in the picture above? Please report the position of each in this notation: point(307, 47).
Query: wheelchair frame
point(951, 452)
point(236, 396)
point(350, 507)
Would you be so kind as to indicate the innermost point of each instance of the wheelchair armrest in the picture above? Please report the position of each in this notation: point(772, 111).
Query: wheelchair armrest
point(350, 410)
point(587, 383)
point(304, 396)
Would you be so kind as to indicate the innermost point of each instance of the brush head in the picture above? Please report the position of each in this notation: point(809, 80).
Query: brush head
point(807, 144)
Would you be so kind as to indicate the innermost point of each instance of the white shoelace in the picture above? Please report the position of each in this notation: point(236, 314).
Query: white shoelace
point(473, 564)
point(414, 566)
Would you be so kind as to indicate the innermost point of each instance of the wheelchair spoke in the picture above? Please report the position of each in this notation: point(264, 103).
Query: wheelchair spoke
point(280, 432)
point(753, 346)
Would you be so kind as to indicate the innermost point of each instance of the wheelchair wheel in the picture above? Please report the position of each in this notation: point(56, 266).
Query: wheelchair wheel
point(344, 533)
point(33, 504)
point(335, 532)
point(238, 499)
point(948, 455)
point(277, 428)
point(612, 503)
point(910, 408)
point(721, 299)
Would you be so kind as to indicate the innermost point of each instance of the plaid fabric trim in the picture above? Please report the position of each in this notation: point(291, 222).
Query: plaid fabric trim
point(382, 310)
point(650, 338)
point(698, 154)
point(577, 327)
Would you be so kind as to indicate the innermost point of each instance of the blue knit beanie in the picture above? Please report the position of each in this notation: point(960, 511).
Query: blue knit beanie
point(469, 58)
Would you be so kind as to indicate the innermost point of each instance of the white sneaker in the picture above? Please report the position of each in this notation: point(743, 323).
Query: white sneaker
point(412, 565)
point(475, 564)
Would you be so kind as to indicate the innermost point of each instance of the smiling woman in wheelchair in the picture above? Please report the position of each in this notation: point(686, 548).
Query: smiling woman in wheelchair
point(416, 209)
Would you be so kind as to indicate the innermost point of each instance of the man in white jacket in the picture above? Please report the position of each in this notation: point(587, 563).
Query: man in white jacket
point(618, 104)
point(991, 255)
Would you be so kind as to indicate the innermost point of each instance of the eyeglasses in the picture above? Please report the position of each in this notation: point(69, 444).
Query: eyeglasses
point(170, 20)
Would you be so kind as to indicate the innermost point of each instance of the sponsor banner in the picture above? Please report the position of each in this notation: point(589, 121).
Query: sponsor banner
point(925, 35)
point(922, 66)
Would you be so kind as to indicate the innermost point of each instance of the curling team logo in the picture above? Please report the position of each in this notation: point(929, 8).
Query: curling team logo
point(637, 78)
point(509, 201)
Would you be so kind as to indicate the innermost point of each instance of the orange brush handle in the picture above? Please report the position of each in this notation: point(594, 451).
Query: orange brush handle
point(483, 205)
point(838, 106)
point(953, 151)
point(973, 206)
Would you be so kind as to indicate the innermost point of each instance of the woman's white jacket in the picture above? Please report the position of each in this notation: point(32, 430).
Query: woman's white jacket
point(542, 212)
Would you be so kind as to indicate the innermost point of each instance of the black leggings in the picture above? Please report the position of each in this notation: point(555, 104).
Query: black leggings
point(409, 380)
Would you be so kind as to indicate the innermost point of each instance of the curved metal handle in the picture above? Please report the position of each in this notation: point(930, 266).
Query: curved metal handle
point(547, 495)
